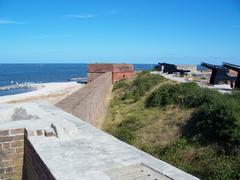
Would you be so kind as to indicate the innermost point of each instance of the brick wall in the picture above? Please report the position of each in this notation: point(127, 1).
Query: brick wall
point(18, 158)
point(118, 76)
point(11, 154)
point(123, 68)
point(89, 103)
point(100, 68)
point(119, 71)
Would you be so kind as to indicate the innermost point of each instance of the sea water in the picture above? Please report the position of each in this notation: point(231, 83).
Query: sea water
point(11, 75)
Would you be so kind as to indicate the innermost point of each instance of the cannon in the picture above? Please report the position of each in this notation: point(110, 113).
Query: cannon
point(219, 73)
point(234, 68)
point(170, 69)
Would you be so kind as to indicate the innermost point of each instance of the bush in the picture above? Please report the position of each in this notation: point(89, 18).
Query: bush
point(165, 95)
point(183, 95)
point(219, 121)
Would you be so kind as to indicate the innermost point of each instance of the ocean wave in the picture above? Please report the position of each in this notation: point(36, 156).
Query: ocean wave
point(26, 85)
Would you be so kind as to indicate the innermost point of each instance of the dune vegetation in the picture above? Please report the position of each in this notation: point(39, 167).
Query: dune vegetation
point(193, 128)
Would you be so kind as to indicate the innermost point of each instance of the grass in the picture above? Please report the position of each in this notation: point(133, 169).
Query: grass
point(192, 128)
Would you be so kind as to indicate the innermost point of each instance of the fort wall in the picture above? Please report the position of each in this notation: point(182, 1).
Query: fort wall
point(119, 71)
point(89, 103)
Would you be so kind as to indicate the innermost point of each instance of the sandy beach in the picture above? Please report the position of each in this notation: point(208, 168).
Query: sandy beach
point(50, 92)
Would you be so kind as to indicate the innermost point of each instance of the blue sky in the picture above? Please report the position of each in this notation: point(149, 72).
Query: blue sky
point(130, 31)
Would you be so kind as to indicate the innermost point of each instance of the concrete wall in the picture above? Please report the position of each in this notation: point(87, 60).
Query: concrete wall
point(89, 103)
point(11, 154)
point(34, 167)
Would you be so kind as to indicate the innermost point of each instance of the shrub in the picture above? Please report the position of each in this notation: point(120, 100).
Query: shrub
point(163, 96)
point(219, 121)
point(196, 96)
point(183, 95)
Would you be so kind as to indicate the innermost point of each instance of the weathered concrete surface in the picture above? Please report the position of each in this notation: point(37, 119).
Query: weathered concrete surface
point(82, 152)
point(138, 171)
point(89, 103)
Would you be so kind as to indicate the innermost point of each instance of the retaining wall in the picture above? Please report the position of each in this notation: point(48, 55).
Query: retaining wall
point(89, 103)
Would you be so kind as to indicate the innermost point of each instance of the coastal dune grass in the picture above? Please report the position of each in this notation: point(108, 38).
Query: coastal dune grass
point(193, 128)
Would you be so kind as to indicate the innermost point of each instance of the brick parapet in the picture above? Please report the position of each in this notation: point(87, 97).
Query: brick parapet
point(11, 153)
point(18, 158)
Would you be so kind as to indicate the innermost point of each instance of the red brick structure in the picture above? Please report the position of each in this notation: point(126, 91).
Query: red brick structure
point(119, 71)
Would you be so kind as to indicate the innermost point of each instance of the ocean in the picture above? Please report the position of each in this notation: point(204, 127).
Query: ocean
point(11, 75)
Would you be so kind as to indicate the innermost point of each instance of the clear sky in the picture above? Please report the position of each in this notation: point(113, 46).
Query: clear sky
point(130, 31)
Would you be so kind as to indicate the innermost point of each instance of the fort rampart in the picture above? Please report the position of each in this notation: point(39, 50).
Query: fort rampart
point(89, 103)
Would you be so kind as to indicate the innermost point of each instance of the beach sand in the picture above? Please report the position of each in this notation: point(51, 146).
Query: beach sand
point(50, 92)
